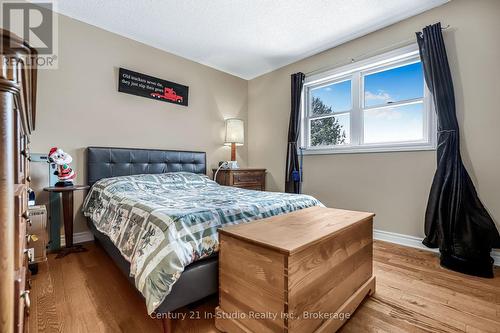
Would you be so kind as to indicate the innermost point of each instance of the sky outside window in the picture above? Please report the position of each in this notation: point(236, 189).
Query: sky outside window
point(402, 123)
point(394, 85)
point(337, 96)
point(382, 122)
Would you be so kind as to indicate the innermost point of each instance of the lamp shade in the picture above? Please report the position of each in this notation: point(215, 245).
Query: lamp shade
point(235, 132)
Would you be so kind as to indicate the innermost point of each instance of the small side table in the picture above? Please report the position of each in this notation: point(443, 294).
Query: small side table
point(67, 205)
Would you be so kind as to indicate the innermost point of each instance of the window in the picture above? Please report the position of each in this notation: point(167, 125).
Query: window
point(379, 104)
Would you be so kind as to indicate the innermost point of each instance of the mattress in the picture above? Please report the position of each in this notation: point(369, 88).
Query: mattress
point(161, 223)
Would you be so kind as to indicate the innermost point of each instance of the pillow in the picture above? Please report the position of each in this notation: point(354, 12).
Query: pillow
point(169, 180)
point(188, 179)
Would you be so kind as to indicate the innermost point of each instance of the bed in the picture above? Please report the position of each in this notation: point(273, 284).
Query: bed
point(157, 214)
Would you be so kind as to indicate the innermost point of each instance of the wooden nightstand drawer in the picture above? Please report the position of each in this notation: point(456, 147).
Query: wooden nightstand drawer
point(255, 187)
point(247, 177)
point(250, 179)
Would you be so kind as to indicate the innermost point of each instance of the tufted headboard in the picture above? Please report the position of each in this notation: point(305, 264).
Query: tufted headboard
point(105, 162)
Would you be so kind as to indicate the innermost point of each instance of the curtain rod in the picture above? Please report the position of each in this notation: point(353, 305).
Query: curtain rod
point(363, 56)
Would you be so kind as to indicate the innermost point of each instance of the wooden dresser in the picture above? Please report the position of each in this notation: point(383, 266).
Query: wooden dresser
point(17, 121)
point(301, 272)
point(249, 178)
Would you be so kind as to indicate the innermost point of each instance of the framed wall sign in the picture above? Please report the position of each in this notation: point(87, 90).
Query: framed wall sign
point(138, 84)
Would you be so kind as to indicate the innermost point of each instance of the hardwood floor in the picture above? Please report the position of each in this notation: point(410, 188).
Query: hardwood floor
point(85, 292)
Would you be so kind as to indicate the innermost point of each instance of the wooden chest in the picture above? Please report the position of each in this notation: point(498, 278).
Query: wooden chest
point(305, 271)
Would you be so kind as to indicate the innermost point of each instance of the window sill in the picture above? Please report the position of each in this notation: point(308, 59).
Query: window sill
point(368, 149)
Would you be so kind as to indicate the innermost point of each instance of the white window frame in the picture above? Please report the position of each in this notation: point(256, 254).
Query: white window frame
point(355, 72)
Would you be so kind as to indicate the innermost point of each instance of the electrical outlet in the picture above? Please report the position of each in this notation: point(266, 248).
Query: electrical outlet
point(31, 254)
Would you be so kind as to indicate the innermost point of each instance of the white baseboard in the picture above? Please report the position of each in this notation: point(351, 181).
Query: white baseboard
point(415, 242)
point(79, 237)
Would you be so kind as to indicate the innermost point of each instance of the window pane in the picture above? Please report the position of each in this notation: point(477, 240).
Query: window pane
point(394, 85)
point(331, 131)
point(332, 98)
point(396, 124)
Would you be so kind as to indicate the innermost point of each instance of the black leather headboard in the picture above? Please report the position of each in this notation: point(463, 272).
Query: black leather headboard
point(105, 162)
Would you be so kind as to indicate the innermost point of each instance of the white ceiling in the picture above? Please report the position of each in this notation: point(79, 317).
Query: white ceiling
point(246, 38)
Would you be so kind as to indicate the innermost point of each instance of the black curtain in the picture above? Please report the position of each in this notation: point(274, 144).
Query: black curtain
point(456, 220)
point(292, 172)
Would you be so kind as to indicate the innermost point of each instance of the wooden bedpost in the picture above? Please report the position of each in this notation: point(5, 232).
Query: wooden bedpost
point(167, 324)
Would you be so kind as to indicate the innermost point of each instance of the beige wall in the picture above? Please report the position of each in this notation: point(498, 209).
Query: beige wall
point(394, 185)
point(79, 104)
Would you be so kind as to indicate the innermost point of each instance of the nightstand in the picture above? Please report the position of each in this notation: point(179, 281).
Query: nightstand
point(248, 178)
point(67, 203)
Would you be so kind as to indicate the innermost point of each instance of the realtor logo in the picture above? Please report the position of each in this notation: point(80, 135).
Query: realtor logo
point(36, 24)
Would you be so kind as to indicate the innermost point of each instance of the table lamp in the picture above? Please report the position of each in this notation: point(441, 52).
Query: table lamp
point(235, 136)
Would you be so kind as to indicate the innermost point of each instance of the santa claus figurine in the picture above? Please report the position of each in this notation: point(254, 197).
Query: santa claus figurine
point(64, 172)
